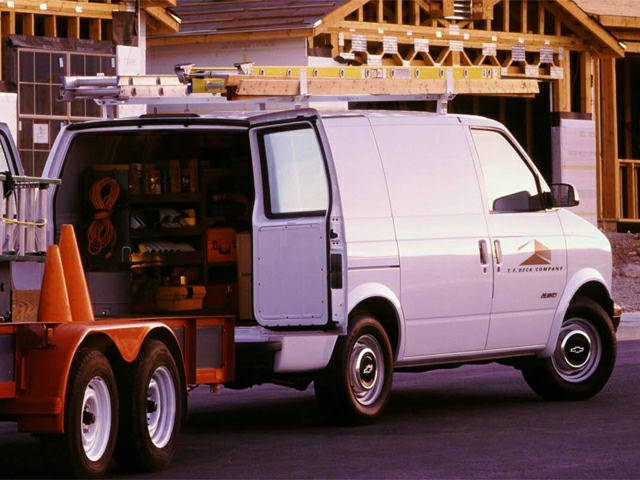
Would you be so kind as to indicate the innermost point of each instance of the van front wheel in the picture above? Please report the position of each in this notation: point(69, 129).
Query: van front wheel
point(355, 386)
point(583, 359)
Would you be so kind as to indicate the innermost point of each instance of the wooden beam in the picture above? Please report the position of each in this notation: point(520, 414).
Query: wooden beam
point(626, 101)
point(28, 24)
point(523, 16)
point(633, 47)
point(361, 14)
point(620, 22)
point(562, 88)
point(380, 12)
point(610, 164)
point(541, 13)
point(50, 29)
point(506, 15)
point(583, 21)
point(416, 13)
point(586, 83)
point(399, 12)
point(229, 37)
point(161, 15)
point(65, 7)
point(476, 37)
point(448, 8)
point(73, 27)
point(95, 29)
point(598, 121)
point(339, 13)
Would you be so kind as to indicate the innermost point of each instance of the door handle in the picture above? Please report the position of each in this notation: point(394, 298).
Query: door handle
point(498, 249)
point(484, 255)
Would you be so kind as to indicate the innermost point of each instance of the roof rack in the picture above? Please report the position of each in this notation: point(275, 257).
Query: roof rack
point(249, 86)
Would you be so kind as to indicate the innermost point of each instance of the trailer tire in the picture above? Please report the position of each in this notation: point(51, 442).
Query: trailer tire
point(356, 385)
point(584, 357)
point(91, 420)
point(151, 414)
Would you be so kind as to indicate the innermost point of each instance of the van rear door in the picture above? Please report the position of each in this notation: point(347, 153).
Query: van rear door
point(299, 257)
point(9, 159)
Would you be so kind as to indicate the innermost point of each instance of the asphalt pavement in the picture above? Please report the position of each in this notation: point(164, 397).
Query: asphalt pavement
point(472, 422)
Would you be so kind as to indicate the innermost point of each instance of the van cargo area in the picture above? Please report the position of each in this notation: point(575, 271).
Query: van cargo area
point(163, 219)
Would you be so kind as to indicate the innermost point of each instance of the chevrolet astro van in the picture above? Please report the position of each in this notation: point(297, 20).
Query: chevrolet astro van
point(375, 242)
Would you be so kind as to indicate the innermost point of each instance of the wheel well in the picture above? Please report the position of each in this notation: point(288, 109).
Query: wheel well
point(386, 314)
point(598, 293)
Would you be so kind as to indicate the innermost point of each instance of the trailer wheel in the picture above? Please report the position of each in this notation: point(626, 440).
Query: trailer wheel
point(151, 413)
point(584, 357)
point(91, 420)
point(356, 385)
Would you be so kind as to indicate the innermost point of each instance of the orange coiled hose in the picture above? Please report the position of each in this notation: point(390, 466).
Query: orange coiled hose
point(102, 234)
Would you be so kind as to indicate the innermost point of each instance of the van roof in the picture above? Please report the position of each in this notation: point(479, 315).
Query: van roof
point(241, 118)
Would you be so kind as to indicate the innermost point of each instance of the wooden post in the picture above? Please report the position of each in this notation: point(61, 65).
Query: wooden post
point(631, 187)
point(558, 26)
point(505, 15)
point(380, 12)
point(586, 85)
point(628, 137)
point(416, 14)
point(598, 118)
point(50, 29)
point(610, 163)
point(523, 16)
point(562, 87)
point(73, 27)
point(95, 29)
point(28, 24)
point(541, 12)
point(399, 12)
point(360, 14)
point(529, 124)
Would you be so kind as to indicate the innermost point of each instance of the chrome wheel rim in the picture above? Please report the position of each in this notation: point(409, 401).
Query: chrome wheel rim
point(578, 351)
point(161, 407)
point(366, 370)
point(95, 419)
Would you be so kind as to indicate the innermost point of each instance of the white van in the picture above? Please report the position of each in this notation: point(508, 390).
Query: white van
point(380, 242)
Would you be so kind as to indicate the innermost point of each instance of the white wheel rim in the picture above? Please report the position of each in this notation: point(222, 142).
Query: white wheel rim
point(95, 419)
point(586, 341)
point(366, 370)
point(161, 407)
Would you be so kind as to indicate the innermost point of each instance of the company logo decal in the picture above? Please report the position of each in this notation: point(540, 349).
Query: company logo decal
point(541, 254)
point(368, 369)
point(577, 349)
point(539, 261)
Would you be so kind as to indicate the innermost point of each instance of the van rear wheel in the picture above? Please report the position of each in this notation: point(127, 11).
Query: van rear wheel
point(584, 357)
point(356, 385)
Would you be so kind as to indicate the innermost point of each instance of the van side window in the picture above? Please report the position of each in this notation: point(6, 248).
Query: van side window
point(509, 182)
point(296, 175)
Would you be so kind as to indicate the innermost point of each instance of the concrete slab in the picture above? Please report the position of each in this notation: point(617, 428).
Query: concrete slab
point(629, 327)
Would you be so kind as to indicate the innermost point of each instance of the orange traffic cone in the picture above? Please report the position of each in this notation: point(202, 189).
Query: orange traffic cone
point(79, 300)
point(54, 301)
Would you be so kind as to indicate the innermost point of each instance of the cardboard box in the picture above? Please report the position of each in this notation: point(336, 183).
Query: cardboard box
point(221, 245)
point(245, 280)
point(180, 298)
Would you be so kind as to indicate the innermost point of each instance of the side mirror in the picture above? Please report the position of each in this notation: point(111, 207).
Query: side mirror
point(564, 195)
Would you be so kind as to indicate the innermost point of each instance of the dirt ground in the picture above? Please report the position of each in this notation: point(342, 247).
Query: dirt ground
point(626, 270)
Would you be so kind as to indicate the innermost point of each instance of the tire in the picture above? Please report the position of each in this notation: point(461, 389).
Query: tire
point(151, 402)
point(584, 357)
point(91, 420)
point(355, 387)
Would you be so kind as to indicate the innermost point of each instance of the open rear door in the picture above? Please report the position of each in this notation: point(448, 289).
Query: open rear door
point(299, 256)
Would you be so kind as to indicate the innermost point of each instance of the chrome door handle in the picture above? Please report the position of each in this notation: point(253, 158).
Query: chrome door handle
point(498, 249)
point(484, 256)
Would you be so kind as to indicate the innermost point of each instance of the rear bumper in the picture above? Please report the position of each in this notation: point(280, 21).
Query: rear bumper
point(263, 351)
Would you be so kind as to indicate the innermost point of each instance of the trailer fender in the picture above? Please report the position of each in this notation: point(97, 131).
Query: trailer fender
point(40, 402)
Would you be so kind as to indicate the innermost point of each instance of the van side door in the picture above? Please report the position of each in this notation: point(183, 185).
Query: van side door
point(443, 242)
point(299, 259)
point(527, 242)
